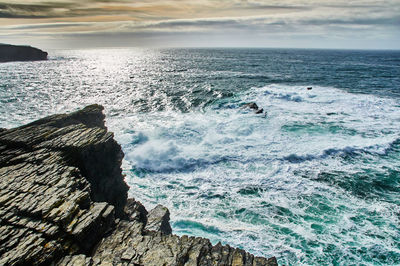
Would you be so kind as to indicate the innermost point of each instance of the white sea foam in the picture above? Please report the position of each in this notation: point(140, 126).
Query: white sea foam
point(228, 173)
point(329, 123)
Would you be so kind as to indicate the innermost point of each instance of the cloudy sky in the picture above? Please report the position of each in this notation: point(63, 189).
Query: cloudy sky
point(363, 24)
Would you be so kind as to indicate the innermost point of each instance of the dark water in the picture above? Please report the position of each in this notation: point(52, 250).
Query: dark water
point(313, 181)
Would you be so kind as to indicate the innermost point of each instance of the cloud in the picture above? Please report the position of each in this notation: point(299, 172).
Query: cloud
point(41, 10)
point(388, 21)
point(47, 26)
point(157, 19)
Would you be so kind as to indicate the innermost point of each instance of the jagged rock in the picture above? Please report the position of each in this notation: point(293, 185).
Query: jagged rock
point(77, 260)
point(130, 244)
point(254, 107)
point(158, 220)
point(20, 53)
point(136, 211)
point(48, 194)
point(83, 141)
point(63, 201)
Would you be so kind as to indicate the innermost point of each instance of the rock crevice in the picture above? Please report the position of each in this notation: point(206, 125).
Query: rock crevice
point(63, 200)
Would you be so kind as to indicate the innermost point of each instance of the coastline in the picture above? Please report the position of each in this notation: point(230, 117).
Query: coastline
point(10, 53)
point(64, 200)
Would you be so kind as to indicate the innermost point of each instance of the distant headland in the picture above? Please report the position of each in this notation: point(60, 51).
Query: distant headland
point(10, 52)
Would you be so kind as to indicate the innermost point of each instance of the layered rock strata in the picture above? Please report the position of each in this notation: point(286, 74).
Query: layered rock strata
point(63, 201)
point(20, 53)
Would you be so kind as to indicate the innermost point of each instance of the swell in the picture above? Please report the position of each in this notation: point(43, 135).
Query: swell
point(347, 152)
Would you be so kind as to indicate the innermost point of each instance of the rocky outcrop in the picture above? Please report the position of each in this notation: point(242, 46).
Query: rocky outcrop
point(20, 53)
point(158, 220)
point(51, 203)
point(133, 245)
point(253, 106)
point(63, 200)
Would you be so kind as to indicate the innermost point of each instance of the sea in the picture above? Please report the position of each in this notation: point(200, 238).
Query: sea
point(313, 180)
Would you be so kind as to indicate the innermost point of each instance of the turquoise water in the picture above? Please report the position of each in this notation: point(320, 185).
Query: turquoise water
point(315, 180)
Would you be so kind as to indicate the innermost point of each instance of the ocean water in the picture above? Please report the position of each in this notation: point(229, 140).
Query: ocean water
point(313, 181)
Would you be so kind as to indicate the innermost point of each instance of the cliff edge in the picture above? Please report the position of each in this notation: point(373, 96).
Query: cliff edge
point(63, 201)
point(10, 52)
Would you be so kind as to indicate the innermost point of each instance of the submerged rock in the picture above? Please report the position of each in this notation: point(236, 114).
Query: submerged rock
point(63, 201)
point(10, 52)
point(254, 107)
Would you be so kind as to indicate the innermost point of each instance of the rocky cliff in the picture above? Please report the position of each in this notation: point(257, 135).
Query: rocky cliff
point(63, 201)
point(20, 53)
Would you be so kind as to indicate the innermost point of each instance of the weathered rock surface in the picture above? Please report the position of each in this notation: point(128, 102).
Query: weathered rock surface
point(63, 200)
point(158, 220)
point(131, 244)
point(20, 53)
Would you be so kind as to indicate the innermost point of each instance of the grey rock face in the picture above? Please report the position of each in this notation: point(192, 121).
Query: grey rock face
point(158, 220)
point(130, 244)
point(50, 203)
point(135, 211)
point(63, 200)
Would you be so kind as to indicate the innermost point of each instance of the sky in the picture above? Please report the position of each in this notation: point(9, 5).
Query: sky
point(342, 24)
